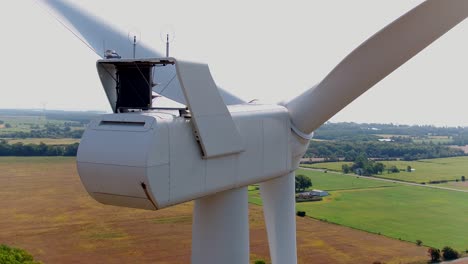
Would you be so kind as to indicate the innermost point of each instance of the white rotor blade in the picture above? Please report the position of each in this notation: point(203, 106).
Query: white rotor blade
point(374, 60)
point(99, 36)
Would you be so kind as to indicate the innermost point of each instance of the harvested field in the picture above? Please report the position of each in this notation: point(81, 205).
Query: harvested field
point(45, 210)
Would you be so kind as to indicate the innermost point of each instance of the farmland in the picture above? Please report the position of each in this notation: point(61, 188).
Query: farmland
point(51, 127)
point(24, 132)
point(419, 139)
point(456, 185)
point(437, 217)
point(45, 210)
point(26, 123)
point(47, 141)
point(424, 170)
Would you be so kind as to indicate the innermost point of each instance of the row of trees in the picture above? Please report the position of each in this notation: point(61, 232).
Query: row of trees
point(349, 150)
point(49, 131)
point(460, 140)
point(350, 131)
point(364, 166)
point(448, 253)
point(20, 149)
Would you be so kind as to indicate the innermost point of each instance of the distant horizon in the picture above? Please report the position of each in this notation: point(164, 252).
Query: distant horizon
point(57, 109)
point(330, 121)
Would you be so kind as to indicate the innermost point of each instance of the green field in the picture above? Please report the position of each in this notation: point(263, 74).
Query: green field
point(48, 141)
point(333, 166)
point(456, 185)
point(437, 217)
point(434, 140)
point(338, 182)
point(342, 182)
point(26, 123)
point(31, 161)
point(23, 123)
point(45, 209)
point(425, 170)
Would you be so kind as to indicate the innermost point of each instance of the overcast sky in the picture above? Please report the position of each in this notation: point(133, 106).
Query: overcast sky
point(268, 50)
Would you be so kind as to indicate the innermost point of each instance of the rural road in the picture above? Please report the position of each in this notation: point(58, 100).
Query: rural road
point(457, 261)
point(387, 180)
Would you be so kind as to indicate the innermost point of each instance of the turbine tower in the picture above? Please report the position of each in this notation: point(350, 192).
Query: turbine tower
point(213, 145)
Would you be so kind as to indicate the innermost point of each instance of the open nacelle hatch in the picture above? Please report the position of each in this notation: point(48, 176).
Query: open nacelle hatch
point(134, 84)
point(128, 85)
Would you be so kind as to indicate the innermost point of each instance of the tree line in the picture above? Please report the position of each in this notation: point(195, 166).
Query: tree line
point(20, 149)
point(49, 131)
point(349, 150)
point(367, 131)
point(362, 165)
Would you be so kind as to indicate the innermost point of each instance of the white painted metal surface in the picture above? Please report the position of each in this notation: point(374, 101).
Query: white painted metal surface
point(220, 230)
point(212, 123)
point(279, 209)
point(119, 152)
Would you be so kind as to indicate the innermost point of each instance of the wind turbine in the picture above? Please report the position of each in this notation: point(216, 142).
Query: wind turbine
point(215, 145)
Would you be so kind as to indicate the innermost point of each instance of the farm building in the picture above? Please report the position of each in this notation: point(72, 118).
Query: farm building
point(312, 193)
point(318, 193)
point(385, 139)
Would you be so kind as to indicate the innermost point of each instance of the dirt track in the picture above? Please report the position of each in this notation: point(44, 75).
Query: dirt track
point(45, 210)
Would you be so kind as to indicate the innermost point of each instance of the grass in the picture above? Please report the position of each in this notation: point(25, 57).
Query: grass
point(45, 210)
point(333, 166)
point(391, 135)
point(456, 185)
point(437, 217)
point(425, 170)
point(47, 141)
point(341, 182)
point(25, 123)
point(22, 123)
point(31, 163)
point(254, 195)
point(434, 140)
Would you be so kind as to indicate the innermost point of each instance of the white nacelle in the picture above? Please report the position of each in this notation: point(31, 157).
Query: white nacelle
point(151, 160)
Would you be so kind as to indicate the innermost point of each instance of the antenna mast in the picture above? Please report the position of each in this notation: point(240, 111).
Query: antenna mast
point(134, 45)
point(134, 36)
point(167, 35)
point(167, 45)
